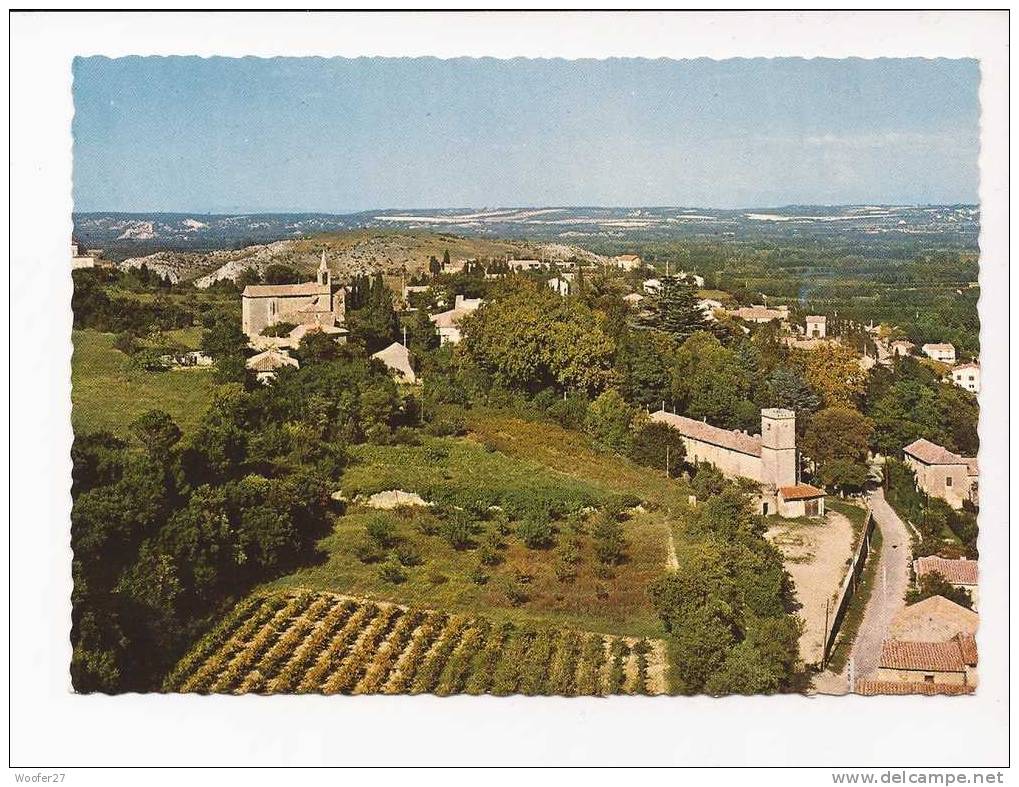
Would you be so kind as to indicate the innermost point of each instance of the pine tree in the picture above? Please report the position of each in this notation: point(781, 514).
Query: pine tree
point(675, 310)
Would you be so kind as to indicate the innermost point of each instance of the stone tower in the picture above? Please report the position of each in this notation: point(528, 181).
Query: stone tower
point(324, 277)
point(778, 446)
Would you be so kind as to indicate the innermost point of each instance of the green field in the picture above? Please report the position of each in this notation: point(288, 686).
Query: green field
point(463, 472)
point(107, 394)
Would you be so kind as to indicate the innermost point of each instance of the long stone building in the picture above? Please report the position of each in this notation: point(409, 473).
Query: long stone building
point(768, 458)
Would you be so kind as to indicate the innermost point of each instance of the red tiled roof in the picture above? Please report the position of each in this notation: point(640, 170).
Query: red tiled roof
point(706, 433)
point(800, 492)
point(871, 688)
point(968, 648)
point(932, 454)
point(922, 656)
point(958, 572)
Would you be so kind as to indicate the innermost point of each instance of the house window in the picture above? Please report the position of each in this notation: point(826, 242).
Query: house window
point(948, 482)
point(928, 678)
point(813, 507)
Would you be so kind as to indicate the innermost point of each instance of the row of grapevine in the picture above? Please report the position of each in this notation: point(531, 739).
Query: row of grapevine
point(305, 642)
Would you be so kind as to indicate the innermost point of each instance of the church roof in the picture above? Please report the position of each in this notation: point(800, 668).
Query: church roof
point(285, 290)
point(706, 433)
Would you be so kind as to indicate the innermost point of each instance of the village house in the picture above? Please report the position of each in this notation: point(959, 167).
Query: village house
point(761, 314)
point(709, 306)
point(307, 304)
point(691, 278)
point(943, 474)
point(87, 258)
point(447, 323)
point(626, 262)
point(944, 353)
point(961, 573)
point(396, 357)
point(769, 458)
point(526, 265)
point(816, 326)
point(951, 663)
point(967, 375)
point(901, 348)
point(266, 364)
point(562, 284)
point(414, 289)
point(935, 619)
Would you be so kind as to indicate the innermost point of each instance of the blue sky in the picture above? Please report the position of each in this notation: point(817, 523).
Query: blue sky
point(337, 135)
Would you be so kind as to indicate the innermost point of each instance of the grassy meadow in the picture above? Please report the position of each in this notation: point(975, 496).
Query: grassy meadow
point(108, 394)
point(541, 464)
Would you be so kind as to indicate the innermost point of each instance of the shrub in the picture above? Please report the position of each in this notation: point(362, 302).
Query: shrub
point(478, 575)
point(601, 592)
point(368, 550)
point(437, 578)
point(536, 532)
point(488, 556)
point(408, 554)
point(427, 524)
point(459, 530)
point(392, 571)
point(404, 435)
point(450, 423)
point(382, 530)
point(516, 594)
point(609, 545)
point(565, 572)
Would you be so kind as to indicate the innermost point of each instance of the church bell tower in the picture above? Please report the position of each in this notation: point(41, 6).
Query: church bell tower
point(324, 277)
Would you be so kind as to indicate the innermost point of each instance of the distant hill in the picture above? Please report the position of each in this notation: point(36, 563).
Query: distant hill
point(124, 235)
point(388, 252)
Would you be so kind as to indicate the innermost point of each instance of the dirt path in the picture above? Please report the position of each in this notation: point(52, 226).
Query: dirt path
point(887, 597)
point(815, 554)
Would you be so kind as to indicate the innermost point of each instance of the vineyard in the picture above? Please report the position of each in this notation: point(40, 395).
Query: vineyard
point(323, 643)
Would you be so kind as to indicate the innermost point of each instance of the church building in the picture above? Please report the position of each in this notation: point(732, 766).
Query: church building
point(310, 304)
point(768, 458)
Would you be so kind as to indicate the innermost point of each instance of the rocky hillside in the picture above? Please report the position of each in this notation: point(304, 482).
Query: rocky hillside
point(349, 253)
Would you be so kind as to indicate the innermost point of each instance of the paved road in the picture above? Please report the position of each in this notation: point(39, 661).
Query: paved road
point(887, 597)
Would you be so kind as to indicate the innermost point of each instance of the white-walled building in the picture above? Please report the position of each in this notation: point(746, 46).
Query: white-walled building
point(768, 458)
point(967, 376)
point(945, 353)
point(562, 284)
point(266, 364)
point(626, 262)
point(817, 326)
point(447, 323)
point(396, 357)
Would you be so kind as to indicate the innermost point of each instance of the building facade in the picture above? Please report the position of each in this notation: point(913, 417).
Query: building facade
point(967, 376)
point(769, 458)
point(944, 353)
point(943, 474)
point(817, 326)
point(307, 304)
point(447, 323)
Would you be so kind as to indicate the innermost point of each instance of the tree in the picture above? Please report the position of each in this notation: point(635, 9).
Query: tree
point(644, 362)
point(445, 259)
point(934, 584)
point(708, 382)
point(529, 338)
point(224, 339)
point(434, 266)
point(157, 433)
point(789, 390)
point(837, 439)
point(658, 445)
point(834, 372)
point(609, 543)
point(277, 273)
point(675, 310)
point(317, 347)
point(375, 323)
point(608, 422)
